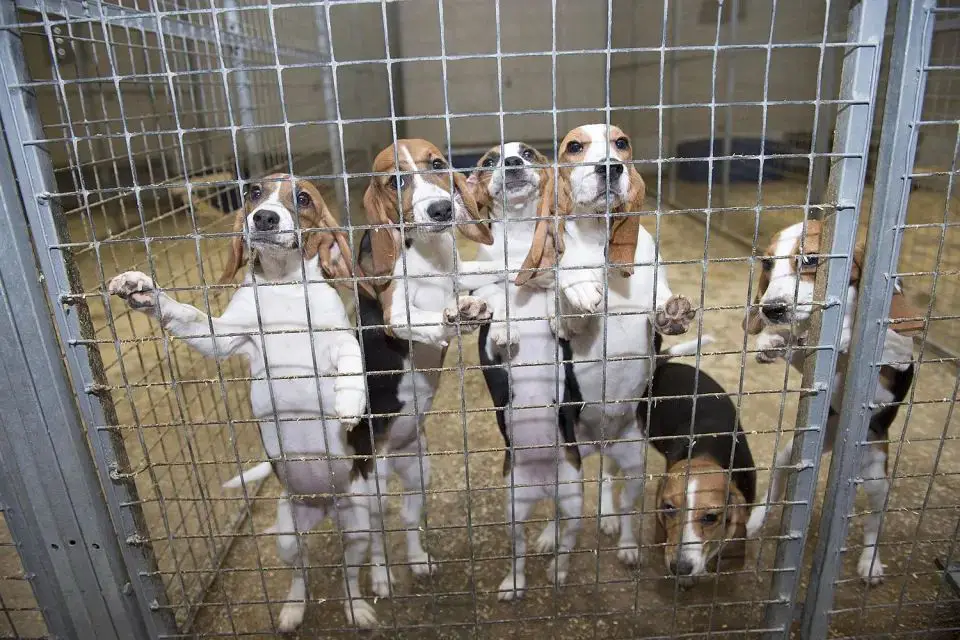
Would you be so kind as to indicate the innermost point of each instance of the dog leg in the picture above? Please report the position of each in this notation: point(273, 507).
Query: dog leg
point(520, 501)
point(292, 549)
point(570, 506)
point(777, 478)
point(874, 473)
point(414, 473)
point(631, 459)
point(609, 516)
point(381, 577)
point(355, 527)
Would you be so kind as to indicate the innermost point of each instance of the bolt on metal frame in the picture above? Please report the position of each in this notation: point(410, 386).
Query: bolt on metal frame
point(159, 597)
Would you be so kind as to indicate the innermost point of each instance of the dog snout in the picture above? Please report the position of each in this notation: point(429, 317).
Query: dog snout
point(776, 311)
point(441, 211)
point(514, 166)
point(266, 220)
point(614, 172)
point(683, 567)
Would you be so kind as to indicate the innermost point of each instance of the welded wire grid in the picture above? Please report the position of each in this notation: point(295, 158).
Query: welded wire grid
point(153, 126)
point(920, 525)
point(20, 616)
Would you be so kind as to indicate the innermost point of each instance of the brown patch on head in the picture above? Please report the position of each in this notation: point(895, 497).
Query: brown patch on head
point(558, 201)
point(389, 199)
point(320, 235)
point(700, 493)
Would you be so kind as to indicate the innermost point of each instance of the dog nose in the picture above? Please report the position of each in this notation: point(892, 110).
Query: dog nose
point(266, 221)
point(513, 161)
point(616, 170)
point(682, 568)
point(775, 311)
point(441, 211)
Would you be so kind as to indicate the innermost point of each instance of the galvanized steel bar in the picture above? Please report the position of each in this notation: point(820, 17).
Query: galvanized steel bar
point(858, 83)
point(898, 140)
point(33, 169)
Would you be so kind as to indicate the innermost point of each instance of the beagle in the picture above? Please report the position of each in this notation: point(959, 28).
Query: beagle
point(405, 329)
point(608, 359)
point(286, 315)
point(710, 478)
point(509, 182)
point(779, 318)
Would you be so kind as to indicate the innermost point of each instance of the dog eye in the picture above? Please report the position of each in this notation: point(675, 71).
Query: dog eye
point(622, 143)
point(487, 163)
point(668, 509)
point(709, 518)
point(574, 147)
point(303, 199)
point(809, 262)
point(254, 192)
point(438, 163)
point(528, 154)
point(767, 264)
point(396, 183)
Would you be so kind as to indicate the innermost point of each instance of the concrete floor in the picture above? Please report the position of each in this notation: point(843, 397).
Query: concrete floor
point(184, 440)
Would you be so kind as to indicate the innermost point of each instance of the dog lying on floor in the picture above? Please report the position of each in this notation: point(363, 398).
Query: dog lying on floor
point(286, 315)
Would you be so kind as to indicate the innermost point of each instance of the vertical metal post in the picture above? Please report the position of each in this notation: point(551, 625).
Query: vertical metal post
point(674, 100)
point(55, 508)
point(33, 170)
point(866, 22)
point(325, 52)
point(249, 141)
point(733, 17)
point(911, 50)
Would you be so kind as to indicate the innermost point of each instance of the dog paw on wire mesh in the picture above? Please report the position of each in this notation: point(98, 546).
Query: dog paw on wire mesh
point(136, 288)
point(470, 311)
point(675, 316)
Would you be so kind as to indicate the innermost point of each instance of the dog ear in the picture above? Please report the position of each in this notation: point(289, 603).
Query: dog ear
point(477, 228)
point(384, 241)
point(479, 191)
point(236, 260)
point(547, 246)
point(734, 545)
point(905, 319)
point(330, 244)
point(660, 537)
point(625, 229)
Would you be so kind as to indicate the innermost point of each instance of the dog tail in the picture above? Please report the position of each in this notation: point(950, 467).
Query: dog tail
point(688, 348)
point(259, 472)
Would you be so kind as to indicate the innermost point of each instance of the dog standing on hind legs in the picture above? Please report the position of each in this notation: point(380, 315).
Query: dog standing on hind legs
point(287, 316)
point(779, 317)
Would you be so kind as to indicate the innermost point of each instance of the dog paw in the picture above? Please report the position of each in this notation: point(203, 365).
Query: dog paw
point(360, 614)
point(470, 312)
point(291, 615)
point(628, 554)
point(584, 297)
point(506, 345)
point(610, 525)
point(557, 571)
point(512, 587)
point(423, 565)
point(381, 580)
point(675, 316)
point(349, 406)
point(869, 567)
point(547, 541)
point(136, 288)
point(770, 347)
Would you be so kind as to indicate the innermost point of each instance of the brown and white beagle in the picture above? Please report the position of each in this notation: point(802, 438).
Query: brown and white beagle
point(779, 317)
point(417, 200)
point(288, 316)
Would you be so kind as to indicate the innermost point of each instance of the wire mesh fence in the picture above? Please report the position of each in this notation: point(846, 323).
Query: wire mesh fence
point(137, 129)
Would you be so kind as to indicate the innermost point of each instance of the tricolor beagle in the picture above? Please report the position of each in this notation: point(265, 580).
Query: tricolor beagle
point(702, 500)
point(287, 317)
point(601, 248)
point(405, 329)
point(779, 317)
point(542, 461)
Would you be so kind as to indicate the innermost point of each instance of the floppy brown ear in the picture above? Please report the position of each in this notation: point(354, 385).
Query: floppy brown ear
point(905, 319)
point(624, 229)
point(477, 228)
point(480, 193)
point(332, 247)
point(236, 260)
point(660, 537)
point(547, 246)
point(856, 268)
point(384, 241)
point(734, 547)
